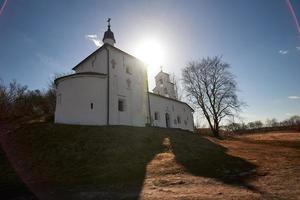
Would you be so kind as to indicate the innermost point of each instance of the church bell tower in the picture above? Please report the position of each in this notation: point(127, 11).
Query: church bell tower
point(163, 85)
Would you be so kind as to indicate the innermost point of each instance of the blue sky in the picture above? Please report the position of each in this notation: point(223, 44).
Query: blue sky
point(259, 39)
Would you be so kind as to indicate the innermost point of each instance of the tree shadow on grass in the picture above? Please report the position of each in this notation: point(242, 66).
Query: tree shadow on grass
point(75, 162)
point(205, 158)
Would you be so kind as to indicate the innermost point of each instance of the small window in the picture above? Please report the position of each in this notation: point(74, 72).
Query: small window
point(113, 63)
point(93, 61)
point(121, 105)
point(160, 81)
point(185, 122)
point(178, 120)
point(165, 91)
point(128, 70)
point(92, 106)
point(128, 81)
point(156, 116)
point(59, 99)
point(175, 122)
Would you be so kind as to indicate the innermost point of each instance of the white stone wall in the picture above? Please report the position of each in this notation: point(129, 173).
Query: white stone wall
point(74, 97)
point(174, 109)
point(128, 82)
point(95, 63)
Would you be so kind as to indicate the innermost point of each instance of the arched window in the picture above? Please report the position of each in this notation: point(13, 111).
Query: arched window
point(178, 119)
point(128, 69)
point(113, 63)
point(156, 116)
point(121, 105)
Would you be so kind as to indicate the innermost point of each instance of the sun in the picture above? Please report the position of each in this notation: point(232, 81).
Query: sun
point(151, 52)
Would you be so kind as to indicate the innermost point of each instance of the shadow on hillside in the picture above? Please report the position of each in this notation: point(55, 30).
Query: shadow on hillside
point(76, 163)
point(202, 157)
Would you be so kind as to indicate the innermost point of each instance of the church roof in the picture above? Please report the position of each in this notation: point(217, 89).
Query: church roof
point(171, 99)
point(103, 47)
point(78, 74)
point(161, 72)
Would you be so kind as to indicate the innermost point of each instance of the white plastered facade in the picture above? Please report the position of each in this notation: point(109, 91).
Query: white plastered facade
point(82, 98)
point(170, 113)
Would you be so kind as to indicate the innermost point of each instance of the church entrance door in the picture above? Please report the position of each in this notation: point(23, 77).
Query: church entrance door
point(167, 120)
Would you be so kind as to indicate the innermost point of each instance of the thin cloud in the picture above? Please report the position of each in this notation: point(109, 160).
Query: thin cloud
point(94, 38)
point(294, 97)
point(298, 48)
point(91, 36)
point(48, 61)
point(283, 52)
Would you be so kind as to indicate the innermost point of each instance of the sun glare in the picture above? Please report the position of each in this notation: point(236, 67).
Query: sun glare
point(151, 52)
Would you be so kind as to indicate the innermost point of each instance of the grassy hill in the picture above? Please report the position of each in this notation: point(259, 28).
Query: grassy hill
point(114, 158)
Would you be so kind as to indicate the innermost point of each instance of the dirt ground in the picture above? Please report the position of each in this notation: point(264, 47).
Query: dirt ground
point(276, 176)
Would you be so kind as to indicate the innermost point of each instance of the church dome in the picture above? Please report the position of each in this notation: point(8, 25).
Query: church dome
point(109, 35)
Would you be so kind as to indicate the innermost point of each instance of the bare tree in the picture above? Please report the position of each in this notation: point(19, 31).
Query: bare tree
point(292, 121)
point(271, 122)
point(18, 102)
point(213, 89)
point(251, 125)
point(255, 124)
point(10, 96)
point(258, 124)
point(3, 101)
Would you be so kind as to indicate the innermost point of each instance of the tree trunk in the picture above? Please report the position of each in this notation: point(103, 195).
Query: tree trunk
point(216, 133)
point(215, 130)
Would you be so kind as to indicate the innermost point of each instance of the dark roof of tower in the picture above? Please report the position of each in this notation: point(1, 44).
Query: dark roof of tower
point(109, 35)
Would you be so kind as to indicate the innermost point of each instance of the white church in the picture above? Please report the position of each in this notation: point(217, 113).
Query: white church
point(110, 87)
